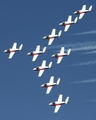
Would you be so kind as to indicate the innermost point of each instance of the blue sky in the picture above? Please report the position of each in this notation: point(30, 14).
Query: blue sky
point(27, 22)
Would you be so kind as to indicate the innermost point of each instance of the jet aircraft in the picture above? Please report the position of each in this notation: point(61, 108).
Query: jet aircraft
point(50, 84)
point(12, 50)
point(68, 22)
point(83, 11)
point(36, 52)
point(52, 36)
point(61, 54)
point(42, 68)
point(59, 102)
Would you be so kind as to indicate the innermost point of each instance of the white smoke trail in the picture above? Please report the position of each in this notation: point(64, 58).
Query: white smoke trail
point(85, 33)
point(85, 81)
point(84, 63)
point(91, 100)
point(92, 52)
point(77, 46)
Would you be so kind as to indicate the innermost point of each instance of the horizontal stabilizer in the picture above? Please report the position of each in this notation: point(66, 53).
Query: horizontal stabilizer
point(58, 81)
point(69, 51)
point(67, 100)
point(44, 49)
point(76, 19)
point(50, 64)
point(21, 46)
point(90, 8)
point(60, 32)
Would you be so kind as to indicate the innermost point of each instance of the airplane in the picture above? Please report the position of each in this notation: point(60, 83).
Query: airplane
point(42, 68)
point(83, 11)
point(52, 36)
point(68, 22)
point(50, 84)
point(61, 54)
point(59, 102)
point(12, 50)
point(36, 52)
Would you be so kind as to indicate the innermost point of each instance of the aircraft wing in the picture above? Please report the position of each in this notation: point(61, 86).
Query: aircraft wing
point(43, 63)
point(84, 7)
point(81, 15)
point(59, 59)
point(48, 90)
point(62, 50)
point(37, 48)
point(66, 27)
point(50, 41)
point(53, 32)
point(69, 18)
point(57, 108)
point(35, 57)
point(14, 46)
point(40, 73)
point(11, 55)
point(51, 79)
point(60, 98)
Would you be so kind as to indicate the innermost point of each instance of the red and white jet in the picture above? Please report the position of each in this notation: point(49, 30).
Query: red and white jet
point(83, 11)
point(42, 68)
point(61, 54)
point(59, 102)
point(12, 50)
point(50, 84)
point(68, 22)
point(36, 52)
point(52, 36)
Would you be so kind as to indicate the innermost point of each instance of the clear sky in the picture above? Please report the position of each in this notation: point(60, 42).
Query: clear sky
point(27, 21)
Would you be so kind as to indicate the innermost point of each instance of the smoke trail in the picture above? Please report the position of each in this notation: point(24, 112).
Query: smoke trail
point(91, 100)
point(85, 33)
point(85, 81)
point(84, 63)
point(76, 46)
point(92, 52)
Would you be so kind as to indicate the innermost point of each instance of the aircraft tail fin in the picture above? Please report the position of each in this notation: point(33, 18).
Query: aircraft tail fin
point(58, 81)
point(67, 100)
point(76, 19)
point(21, 46)
point(44, 49)
point(69, 51)
point(60, 32)
point(90, 8)
point(50, 64)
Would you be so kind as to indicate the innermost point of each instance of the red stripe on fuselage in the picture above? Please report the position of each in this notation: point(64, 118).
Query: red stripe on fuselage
point(65, 24)
point(41, 69)
point(80, 12)
point(57, 104)
point(59, 56)
point(50, 38)
point(48, 86)
point(12, 51)
point(34, 54)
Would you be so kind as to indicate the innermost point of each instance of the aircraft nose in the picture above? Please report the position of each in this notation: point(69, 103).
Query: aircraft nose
point(34, 68)
point(44, 37)
point(28, 53)
point(74, 12)
point(5, 50)
point(50, 104)
point(42, 85)
point(53, 55)
point(60, 23)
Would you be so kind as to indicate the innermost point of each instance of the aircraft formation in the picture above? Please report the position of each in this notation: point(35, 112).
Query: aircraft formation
point(59, 55)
